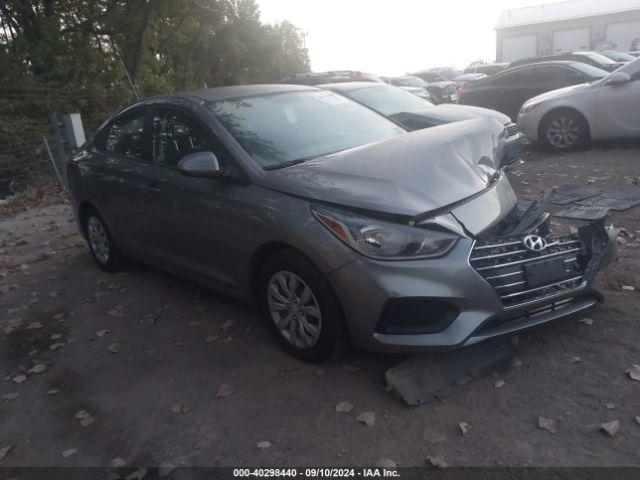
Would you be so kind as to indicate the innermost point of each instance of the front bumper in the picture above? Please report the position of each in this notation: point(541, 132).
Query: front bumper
point(366, 287)
point(528, 125)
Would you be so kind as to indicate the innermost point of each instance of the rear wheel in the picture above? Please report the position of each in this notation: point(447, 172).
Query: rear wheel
point(101, 244)
point(300, 307)
point(564, 130)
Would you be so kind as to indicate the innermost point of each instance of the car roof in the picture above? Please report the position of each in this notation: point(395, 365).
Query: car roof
point(240, 91)
point(542, 61)
point(549, 62)
point(348, 86)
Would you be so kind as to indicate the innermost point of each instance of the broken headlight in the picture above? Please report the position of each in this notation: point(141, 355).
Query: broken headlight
point(385, 240)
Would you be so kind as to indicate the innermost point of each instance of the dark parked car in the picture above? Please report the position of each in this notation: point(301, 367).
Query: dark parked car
point(442, 90)
point(338, 223)
point(413, 113)
point(315, 78)
point(487, 68)
point(594, 59)
point(507, 91)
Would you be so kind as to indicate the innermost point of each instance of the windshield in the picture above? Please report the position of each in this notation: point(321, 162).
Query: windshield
point(619, 56)
point(594, 73)
point(387, 100)
point(449, 73)
point(280, 129)
point(412, 82)
point(596, 57)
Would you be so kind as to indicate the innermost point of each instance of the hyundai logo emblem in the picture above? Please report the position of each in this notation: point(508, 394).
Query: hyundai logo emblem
point(535, 243)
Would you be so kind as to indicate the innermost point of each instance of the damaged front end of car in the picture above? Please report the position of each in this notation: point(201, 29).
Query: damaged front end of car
point(539, 275)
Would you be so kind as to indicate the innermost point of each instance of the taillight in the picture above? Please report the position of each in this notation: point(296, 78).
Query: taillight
point(357, 74)
point(462, 91)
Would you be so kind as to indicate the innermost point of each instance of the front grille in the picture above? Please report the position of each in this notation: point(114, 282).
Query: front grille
point(502, 263)
point(512, 129)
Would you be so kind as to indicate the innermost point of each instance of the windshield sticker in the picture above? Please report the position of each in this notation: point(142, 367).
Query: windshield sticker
point(290, 114)
point(330, 98)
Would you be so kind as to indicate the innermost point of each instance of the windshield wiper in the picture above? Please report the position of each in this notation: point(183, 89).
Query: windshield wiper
point(286, 164)
point(299, 160)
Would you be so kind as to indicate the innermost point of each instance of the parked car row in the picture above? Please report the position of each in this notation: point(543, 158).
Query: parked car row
point(564, 104)
point(508, 90)
point(409, 104)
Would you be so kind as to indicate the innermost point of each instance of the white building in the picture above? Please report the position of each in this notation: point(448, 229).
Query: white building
point(567, 26)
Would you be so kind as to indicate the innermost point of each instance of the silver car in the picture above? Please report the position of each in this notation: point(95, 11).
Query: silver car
point(573, 116)
point(341, 226)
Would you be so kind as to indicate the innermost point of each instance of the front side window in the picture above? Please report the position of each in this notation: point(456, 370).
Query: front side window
point(125, 136)
point(387, 100)
point(284, 128)
point(175, 135)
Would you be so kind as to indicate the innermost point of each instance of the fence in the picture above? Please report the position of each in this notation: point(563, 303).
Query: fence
point(28, 154)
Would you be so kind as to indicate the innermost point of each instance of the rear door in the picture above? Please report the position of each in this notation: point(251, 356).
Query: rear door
point(533, 81)
point(505, 92)
point(119, 171)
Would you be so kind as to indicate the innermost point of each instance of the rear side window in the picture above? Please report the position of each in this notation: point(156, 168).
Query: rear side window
point(125, 136)
point(175, 135)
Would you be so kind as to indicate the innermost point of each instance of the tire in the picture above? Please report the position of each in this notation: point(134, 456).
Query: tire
point(300, 307)
point(564, 130)
point(103, 248)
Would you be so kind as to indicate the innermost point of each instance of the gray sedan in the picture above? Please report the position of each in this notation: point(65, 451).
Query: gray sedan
point(414, 113)
point(338, 223)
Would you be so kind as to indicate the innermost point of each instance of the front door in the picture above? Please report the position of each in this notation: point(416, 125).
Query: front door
point(194, 216)
point(618, 108)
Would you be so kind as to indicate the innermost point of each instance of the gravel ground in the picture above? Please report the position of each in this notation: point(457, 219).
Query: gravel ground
point(149, 368)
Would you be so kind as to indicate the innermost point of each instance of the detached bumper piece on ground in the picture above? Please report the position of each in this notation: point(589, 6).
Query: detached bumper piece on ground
point(592, 203)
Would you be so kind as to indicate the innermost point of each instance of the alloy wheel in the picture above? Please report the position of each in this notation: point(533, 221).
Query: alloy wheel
point(563, 132)
point(294, 309)
point(98, 239)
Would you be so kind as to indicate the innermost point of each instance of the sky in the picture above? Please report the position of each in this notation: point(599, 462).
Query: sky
point(393, 37)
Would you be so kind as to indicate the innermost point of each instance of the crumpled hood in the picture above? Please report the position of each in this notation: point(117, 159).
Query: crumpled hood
point(408, 175)
point(449, 112)
point(560, 92)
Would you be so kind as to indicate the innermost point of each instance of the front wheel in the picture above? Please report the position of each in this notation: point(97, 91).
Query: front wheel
point(101, 244)
point(300, 307)
point(564, 130)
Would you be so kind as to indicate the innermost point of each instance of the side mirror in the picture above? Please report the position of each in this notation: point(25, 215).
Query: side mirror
point(618, 78)
point(200, 164)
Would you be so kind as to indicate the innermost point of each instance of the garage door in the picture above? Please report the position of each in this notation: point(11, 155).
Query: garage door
point(622, 34)
point(520, 46)
point(571, 40)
